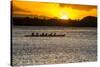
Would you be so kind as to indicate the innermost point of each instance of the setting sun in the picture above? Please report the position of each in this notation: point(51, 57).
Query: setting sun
point(64, 17)
point(51, 10)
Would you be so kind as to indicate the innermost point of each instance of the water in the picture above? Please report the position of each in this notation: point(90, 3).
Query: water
point(78, 45)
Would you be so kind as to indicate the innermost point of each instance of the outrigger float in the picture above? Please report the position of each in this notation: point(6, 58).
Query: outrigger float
point(45, 35)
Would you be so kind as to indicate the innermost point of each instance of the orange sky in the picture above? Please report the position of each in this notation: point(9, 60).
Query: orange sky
point(58, 10)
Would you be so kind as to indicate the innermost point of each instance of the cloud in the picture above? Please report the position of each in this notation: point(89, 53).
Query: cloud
point(17, 9)
point(79, 7)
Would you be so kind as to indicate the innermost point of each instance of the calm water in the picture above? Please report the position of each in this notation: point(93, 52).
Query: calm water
point(78, 45)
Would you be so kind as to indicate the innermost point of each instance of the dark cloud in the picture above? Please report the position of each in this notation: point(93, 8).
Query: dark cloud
point(79, 7)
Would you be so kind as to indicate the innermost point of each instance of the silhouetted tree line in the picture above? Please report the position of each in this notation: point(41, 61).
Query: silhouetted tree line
point(88, 21)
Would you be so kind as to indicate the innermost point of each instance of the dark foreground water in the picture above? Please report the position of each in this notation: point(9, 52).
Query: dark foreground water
point(78, 45)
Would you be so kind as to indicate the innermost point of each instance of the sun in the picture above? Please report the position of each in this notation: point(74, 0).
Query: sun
point(64, 17)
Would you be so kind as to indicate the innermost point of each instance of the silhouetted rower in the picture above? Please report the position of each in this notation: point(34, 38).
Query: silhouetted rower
point(42, 34)
point(32, 34)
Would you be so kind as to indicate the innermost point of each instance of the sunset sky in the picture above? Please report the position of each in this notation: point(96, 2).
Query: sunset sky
point(58, 10)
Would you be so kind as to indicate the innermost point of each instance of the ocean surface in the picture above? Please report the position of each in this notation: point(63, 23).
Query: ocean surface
point(78, 45)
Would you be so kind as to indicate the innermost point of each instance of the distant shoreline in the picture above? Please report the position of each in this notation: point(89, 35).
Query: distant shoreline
point(54, 26)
